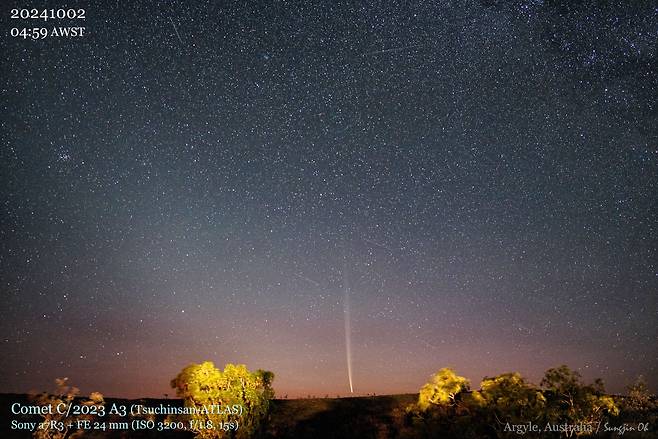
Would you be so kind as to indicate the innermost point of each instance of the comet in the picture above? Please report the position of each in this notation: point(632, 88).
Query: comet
point(348, 329)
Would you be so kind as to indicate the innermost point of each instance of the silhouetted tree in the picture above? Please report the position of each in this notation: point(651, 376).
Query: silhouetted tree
point(639, 397)
point(571, 402)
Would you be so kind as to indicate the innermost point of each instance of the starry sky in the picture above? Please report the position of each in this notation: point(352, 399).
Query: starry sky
point(210, 180)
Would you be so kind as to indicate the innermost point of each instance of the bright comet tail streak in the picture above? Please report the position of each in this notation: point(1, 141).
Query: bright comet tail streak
point(348, 333)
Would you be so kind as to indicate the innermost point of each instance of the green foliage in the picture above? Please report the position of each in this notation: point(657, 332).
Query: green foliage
point(571, 401)
point(243, 398)
point(439, 405)
point(442, 389)
point(504, 403)
point(64, 394)
point(507, 399)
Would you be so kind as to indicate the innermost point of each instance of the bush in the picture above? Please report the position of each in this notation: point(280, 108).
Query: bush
point(508, 406)
point(506, 400)
point(571, 401)
point(230, 403)
point(64, 394)
point(442, 389)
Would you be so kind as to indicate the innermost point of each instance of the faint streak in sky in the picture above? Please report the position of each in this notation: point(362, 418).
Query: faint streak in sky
point(175, 29)
point(392, 49)
point(378, 244)
point(301, 276)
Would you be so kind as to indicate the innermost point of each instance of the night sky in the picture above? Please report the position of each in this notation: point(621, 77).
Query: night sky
point(467, 184)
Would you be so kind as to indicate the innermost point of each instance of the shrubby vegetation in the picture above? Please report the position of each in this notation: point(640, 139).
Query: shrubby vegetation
point(64, 394)
point(447, 406)
point(639, 398)
point(570, 401)
point(639, 407)
point(442, 390)
point(242, 397)
point(562, 405)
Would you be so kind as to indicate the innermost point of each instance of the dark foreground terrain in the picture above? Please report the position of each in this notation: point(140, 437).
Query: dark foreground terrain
point(361, 417)
point(364, 417)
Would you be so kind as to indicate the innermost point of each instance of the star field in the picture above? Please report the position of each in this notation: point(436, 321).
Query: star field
point(202, 181)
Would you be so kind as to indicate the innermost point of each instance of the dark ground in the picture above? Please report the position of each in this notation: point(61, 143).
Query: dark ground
point(376, 417)
point(363, 417)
